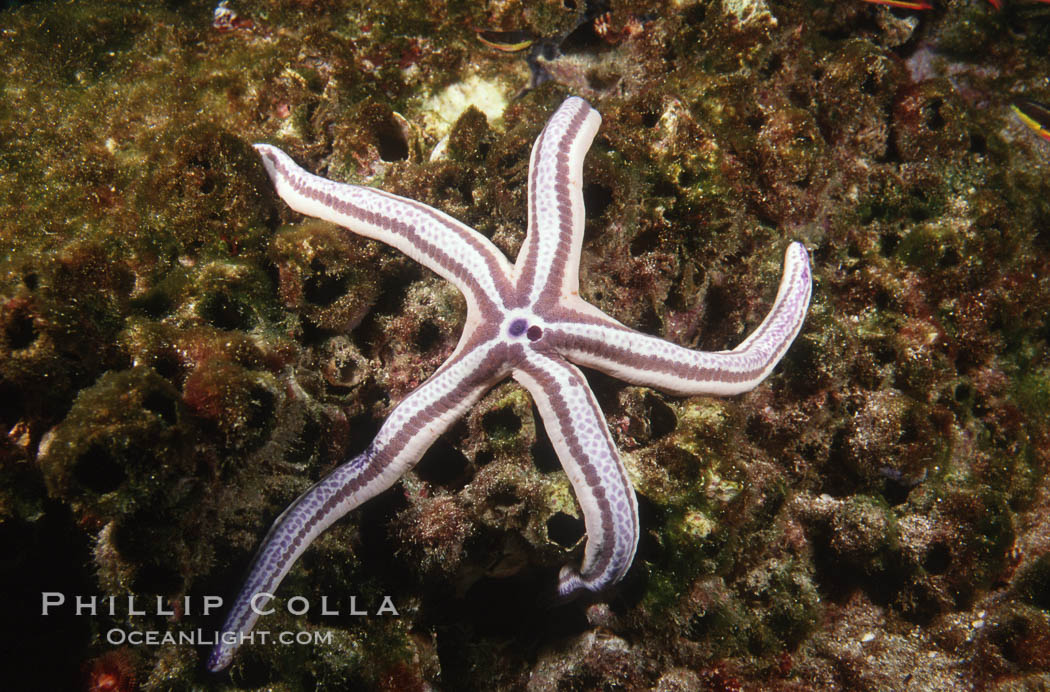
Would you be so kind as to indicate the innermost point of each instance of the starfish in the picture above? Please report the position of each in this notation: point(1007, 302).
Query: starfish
point(526, 321)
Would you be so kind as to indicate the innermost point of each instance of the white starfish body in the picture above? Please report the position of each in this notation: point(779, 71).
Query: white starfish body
point(524, 320)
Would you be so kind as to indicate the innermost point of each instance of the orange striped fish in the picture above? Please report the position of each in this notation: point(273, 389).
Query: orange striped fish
point(1035, 115)
point(903, 4)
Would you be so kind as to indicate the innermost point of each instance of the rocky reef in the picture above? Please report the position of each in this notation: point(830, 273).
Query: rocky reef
point(181, 355)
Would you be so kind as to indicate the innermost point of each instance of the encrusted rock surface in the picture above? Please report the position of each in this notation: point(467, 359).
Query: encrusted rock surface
point(181, 356)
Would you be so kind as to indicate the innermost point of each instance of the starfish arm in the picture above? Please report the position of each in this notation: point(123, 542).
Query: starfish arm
point(578, 432)
point(606, 345)
point(548, 260)
point(407, 433)
point(451, 249)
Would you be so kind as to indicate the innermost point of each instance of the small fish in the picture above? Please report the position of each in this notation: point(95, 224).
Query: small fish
point(1035, 115)
point(506, 41)
point(903, 4)
point(898, 476)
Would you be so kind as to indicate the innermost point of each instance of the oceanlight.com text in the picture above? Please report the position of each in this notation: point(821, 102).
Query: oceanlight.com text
point(119, 637)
